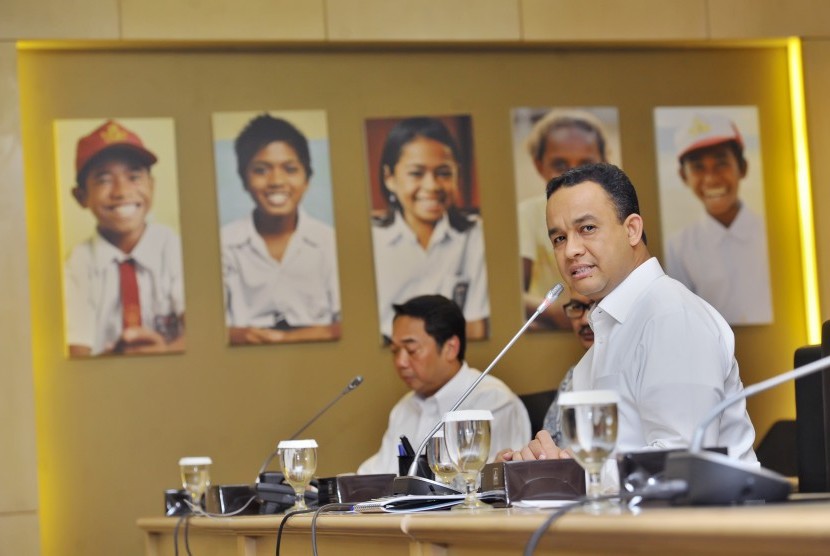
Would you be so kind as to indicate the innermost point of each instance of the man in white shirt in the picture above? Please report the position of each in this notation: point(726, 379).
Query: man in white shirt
point(667, 352)
point(427, 344)
point(722, 257)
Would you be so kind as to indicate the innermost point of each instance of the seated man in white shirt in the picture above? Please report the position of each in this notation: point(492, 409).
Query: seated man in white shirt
point(427, 344)
point(667, 352)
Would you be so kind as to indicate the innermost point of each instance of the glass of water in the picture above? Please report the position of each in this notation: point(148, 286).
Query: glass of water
point(589, 430)
point(195, 473)
point(298, 461)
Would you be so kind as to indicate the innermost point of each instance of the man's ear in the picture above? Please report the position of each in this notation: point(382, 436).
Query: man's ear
point(743, 166)
point(450, 349)
point(634, 228)
point(682, 173)
point(80, 195)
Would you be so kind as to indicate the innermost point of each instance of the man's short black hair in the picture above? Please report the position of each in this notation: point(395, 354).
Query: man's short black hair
point(442, 318)
point(610, 178)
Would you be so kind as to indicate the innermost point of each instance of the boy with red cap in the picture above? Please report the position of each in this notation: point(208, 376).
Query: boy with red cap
point(723, 256)
point(124, 286)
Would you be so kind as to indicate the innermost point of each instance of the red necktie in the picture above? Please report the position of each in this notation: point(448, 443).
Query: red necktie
point(130, 306)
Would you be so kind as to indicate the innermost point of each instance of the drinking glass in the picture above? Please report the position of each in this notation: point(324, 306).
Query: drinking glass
point(439, 459)
point(195, 472)
point(467, 434)
point(298, 461)
point(589, 430)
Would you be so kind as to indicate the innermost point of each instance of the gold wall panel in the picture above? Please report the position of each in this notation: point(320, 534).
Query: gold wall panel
point(423, 20)
point(611, 20)
point(752, 19)
point(59, 19)
point(248, 20)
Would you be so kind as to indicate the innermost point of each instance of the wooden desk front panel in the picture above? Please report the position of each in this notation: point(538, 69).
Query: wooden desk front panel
point(795, 528)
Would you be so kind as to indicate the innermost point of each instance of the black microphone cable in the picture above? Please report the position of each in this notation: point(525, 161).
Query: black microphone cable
point(283, 521)
point(657, 491)
point(333, 507)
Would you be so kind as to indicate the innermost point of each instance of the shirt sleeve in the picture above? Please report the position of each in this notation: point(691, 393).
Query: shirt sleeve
point(511, 425)
point(683, 369)
point(527, 220)
point(477, 305)
point(674, 262)
point(80, 310)
point(385, 460)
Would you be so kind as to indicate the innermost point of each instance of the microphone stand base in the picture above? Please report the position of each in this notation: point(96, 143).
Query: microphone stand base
point(408, 484)
point(716, 479)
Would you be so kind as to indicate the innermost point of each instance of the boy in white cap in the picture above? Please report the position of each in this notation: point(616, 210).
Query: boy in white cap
point(722, 257)
point(124, 290)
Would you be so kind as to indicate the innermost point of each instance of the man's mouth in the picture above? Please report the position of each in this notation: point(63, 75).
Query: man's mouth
point(714, 192)
point(581, 271)
point(277, 198)
point(126, 210)
point(586, 333)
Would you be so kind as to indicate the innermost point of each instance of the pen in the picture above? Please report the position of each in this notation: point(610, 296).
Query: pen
point(407, 446)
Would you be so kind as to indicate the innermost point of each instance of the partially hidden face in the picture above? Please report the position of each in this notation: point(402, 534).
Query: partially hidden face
point(713, 175)
point(566, 148)
point(593, 249)
point(425, 179)
point(580, 325)
point(420, 362)
point(276, 179)
point(118, 190)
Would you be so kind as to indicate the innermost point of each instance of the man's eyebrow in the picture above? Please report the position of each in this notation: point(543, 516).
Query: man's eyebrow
point(576, 222)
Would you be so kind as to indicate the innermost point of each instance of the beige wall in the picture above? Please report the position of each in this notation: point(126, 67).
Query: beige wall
point(62, 391)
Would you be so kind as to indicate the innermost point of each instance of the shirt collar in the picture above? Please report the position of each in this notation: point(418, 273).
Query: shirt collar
point(246, 233)
point(399, 231)
point(449, 393)
point(144, 253)
point(622, 299)
point(740, 227)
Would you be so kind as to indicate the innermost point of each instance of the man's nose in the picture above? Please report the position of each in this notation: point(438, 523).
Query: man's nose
point(574, 246)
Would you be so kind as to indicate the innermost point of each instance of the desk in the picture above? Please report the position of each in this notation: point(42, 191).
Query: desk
point(801, 528)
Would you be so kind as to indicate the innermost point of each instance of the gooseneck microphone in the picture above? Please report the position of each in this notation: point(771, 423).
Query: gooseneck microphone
point(407, 485)
point(715, 479)
point(354, 383)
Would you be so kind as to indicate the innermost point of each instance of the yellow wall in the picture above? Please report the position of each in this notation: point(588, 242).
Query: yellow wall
point(81, 427)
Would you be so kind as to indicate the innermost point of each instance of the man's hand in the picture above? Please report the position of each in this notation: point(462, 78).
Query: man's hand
point(542, 447)
point(137, 339)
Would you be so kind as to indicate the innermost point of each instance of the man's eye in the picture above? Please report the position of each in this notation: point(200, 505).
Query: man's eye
point(588, 228)
point(417, 174)
point(557, 239)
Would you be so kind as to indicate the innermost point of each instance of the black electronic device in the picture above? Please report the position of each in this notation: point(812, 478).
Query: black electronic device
point(716, 479)
point(276, 496)
point(812, 410)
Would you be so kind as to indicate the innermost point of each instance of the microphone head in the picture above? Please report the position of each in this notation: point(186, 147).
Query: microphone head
point(356, 381)
point(550, 297)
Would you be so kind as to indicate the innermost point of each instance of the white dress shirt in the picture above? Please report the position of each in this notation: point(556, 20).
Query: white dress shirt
point(670, 356)
point(93, 292)
point(415, 417)
point(453, 262)
point(301, 290)
point(728, 267)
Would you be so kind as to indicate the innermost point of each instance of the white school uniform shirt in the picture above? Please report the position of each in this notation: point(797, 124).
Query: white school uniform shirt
point(453, 259)
point(671, 358)
point(415, 417)
point(93, 293)
point(728, 267)
point(303, 289)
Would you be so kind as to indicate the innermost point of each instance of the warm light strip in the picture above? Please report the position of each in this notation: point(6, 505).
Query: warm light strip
point(804, 190)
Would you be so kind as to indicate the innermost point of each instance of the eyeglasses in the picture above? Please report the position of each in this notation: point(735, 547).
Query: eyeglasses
point(575, 309)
